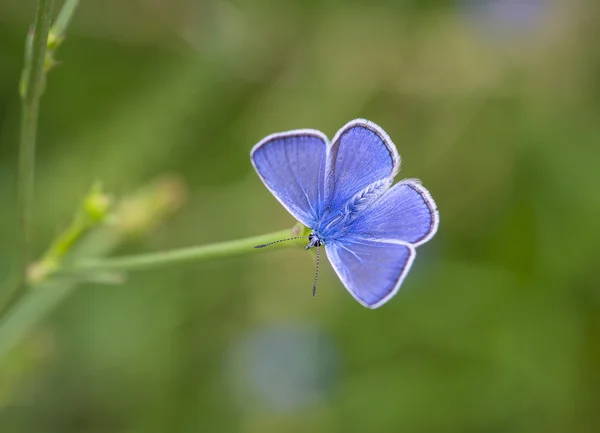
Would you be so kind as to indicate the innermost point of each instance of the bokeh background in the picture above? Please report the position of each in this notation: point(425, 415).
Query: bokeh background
point(493, 104)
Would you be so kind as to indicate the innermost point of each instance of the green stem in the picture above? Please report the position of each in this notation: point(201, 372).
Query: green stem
point(31, 94)
point(57, 32)
point(37, 303)
point(91, 213)
point(30, 309)
point(190, 254)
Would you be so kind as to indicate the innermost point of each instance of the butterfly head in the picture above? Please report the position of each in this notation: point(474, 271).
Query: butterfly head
point(314, 240)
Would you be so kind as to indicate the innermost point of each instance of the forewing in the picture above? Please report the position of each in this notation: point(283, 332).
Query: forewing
point(292, 166)
point(371, 271)
point(360, 154)
point(405, 213)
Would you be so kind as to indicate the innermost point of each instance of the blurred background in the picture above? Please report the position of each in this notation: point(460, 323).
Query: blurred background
point(493, 104)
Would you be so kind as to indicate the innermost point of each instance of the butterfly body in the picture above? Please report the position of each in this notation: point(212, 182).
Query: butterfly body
point(342, 190)
point(335, 225)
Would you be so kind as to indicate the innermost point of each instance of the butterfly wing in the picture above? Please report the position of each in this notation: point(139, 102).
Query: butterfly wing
point(292, 166)
point(378, 248)
point(360, 154)
point(405, 213)
point(371, 271)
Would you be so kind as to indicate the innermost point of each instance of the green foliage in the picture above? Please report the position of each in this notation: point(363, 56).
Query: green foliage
point(495, 329)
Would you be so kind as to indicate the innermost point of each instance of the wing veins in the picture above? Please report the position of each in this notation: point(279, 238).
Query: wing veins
point(287, 159)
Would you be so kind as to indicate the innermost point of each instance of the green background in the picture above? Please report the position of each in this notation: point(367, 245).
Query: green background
point(494, 105)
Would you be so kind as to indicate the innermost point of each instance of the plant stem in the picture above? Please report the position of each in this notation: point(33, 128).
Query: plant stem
point(57, 32)
point(31, 94)
point(30, 309)
point(182, 255)
point(37, 303)
point(92, 212)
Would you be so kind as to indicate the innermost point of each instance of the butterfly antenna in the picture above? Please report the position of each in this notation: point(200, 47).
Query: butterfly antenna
point(316, 272)
point(281, 240)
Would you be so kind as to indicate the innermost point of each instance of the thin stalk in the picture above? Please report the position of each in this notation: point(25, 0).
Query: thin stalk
point(33, 85)
point(59, 28)
point(183, 255)
point(38, 303)
point(31, 308)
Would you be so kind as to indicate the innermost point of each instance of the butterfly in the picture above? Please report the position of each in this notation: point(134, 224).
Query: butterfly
point(342, 190)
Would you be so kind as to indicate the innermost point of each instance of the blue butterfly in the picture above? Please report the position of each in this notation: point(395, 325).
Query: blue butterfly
point(341, 191)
